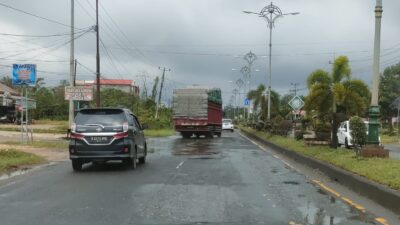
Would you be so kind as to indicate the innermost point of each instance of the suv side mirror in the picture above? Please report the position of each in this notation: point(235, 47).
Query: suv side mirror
point(145, 126)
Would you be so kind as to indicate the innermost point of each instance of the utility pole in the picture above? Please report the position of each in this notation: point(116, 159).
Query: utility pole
point(295, 88)
point(71, 67)
point(161, 87)
point(97, 57)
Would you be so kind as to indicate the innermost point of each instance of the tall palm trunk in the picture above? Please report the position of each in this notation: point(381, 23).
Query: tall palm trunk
point(334, 141)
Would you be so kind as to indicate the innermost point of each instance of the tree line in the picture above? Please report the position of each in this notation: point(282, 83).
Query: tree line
point(333, 96)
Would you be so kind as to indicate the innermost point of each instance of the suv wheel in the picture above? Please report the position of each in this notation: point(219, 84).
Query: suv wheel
point(142, 160)
point(130, 163)
point(77, 165)
point(346, 143)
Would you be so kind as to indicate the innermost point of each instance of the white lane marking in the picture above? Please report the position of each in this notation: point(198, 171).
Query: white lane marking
point(180, 164)
point(275, 156)
point(255, 143)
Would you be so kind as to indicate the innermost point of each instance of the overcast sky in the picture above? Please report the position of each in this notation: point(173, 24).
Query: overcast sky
point(201, 41)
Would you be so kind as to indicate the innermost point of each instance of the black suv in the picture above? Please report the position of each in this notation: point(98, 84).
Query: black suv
point(103, 134)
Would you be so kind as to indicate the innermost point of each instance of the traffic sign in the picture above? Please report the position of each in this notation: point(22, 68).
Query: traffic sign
point(247, 101)
point(296, 103)
point(79, 93)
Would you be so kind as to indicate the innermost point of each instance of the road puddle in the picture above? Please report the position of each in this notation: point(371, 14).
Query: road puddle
point(335, 212)
point(291, 182)
point(196, 147)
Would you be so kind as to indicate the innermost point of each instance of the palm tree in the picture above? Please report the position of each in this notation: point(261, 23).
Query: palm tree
point(336, 92)
point(260, 98)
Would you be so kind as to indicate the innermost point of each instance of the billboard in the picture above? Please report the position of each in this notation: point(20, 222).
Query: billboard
point(80, 93)
point(24, 74)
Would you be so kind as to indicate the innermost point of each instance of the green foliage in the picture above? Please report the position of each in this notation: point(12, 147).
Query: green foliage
point(154, 90)
point(329, 92)
point(11, 158)
point(322, 131)
point(6, 80)
point(334, 93)
point(389, 90)
point(319, 77)
point(281, 126)
point(112, 97)
point(159, 133)
point(285, 109)
point(260, 99)
point(358, 131)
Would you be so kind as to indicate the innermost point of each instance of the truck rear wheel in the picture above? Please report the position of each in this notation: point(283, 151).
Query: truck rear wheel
point(218, 134)
point(186, 135)
point(210, 134)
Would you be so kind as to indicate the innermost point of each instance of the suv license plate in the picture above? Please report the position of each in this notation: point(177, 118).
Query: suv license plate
point(98, 139)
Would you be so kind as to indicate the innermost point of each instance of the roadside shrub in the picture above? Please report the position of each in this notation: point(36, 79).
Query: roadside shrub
point(322, 131)
point(358, 131)
point(281, 127)
point(299, 134)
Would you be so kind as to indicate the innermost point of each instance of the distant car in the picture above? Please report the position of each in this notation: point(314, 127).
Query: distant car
point(344, 134)
point(104, 134)
point(227, 125)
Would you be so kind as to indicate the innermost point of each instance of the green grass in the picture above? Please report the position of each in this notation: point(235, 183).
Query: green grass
point(388, 139)
point(58, 130)
point(159, 133)
point(52, 122)
point(11, 158)
point(40, 144)
point(384, 171)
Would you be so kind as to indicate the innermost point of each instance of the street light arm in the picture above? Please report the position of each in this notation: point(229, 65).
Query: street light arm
point(249, 12)
point(292, 14)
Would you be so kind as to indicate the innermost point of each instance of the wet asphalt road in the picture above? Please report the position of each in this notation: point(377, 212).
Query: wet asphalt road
point(224, 180)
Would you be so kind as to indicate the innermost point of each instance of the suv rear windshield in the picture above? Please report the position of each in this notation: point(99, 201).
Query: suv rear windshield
point(227, 121)
point(106, 117)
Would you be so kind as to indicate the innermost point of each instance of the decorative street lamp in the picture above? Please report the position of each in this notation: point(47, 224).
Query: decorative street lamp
point(270, 13)
point(249, 58)
point(374, 112)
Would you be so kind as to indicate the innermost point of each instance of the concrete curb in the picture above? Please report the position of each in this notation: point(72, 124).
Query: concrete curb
point(379, 193)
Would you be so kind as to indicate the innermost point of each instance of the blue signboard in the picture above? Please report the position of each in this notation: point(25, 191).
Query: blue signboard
point(24, 74)
point(247, 101)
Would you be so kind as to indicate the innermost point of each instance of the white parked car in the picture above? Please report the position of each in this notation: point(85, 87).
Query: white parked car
point(227, 125)
point(344, 134)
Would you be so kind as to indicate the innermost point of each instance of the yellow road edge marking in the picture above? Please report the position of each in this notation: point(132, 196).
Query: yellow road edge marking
point(330, 190)
point(382, 221)
point(347, 200)
point(326, 188)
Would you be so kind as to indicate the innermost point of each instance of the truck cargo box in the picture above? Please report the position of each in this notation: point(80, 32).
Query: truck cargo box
point(197, 110)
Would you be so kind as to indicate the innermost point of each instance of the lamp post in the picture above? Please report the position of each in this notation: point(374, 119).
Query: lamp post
point(270, 13)
point(373, 112)
point(249, 58)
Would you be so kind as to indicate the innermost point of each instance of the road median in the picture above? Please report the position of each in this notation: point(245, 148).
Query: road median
point(373, 178)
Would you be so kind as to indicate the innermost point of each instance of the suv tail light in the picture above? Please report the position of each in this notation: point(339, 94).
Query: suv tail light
point(125, 127)
point(77, 136)
point(121, 135)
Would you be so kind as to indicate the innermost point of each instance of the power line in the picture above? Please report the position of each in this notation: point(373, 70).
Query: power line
point(109, 32)
point(125, 36)
point(34, 15)
point(38, 36)
point(110, 59)
point(52, 47)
